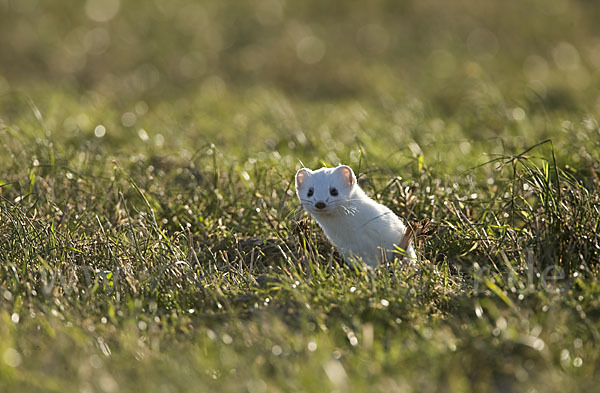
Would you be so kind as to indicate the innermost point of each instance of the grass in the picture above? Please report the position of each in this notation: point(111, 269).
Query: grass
point(151, 240)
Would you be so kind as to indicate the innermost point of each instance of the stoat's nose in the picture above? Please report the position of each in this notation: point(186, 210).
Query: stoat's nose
point(320, 205)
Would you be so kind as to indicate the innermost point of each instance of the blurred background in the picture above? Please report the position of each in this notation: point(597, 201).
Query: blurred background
point(446, 53)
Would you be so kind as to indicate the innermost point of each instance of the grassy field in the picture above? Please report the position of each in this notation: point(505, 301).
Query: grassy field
point(151, 239)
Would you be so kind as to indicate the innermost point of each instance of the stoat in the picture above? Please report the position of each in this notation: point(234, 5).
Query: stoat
point(359, 227)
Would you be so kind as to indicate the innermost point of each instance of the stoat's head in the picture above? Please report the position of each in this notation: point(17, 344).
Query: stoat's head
point(325, 190)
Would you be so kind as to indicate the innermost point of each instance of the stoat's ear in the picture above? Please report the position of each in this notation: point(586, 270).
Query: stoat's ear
point(301, 175)
point(347, 174)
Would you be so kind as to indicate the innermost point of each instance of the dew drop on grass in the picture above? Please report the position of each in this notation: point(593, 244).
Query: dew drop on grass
point(141, 108)
point(227, 339)
point(276, 350)
point(501, 323)
point(310, 50)
point(427, 333)
point(12, 357)
point(538, 344)
point(478, 311)
point(101, 11)
point(108, 383)
point(352, 339)
point(95, 361)
point(518, 114)
point(464, 147)
point(128, 119)
point(536, 330)
point(143, 135)
point(100, 131)
point(256, 386)
point(521, 374)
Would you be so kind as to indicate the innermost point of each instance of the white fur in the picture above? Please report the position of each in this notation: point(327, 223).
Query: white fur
point(359, 227)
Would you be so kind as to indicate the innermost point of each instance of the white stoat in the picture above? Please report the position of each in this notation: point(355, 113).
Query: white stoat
point(359, 227)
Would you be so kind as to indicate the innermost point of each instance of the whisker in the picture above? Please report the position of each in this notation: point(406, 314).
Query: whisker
point(341, 203)
point(346, 200)
point(347, 210)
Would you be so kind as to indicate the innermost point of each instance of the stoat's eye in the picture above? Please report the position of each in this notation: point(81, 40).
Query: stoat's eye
point(333, 191)
point(310, 192)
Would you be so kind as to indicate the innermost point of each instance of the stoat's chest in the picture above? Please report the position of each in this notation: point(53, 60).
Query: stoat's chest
point(362, 228)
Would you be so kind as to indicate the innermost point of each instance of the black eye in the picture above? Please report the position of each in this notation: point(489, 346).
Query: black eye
point(310, 192)
point(333, 191)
